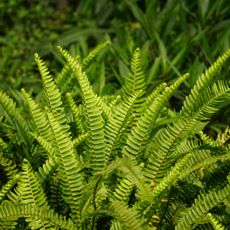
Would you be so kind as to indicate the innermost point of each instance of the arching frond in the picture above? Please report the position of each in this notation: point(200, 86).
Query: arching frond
point(165, 183)
point(52, 92)
point(10, 211)
point(123, 191)
point(128, 217)
point(96, 140)
point(14, 116)
point(168, 139)
point(116, 123)
point(203, 82)
point(69, 168)
point(8, 186)
point(135, 83)
point(31, 192)
point(8, 165)
point(201, 207)
point(215, 223)
point(76, 112)
point(94, 53)
point(140, 132)
point(38, 116)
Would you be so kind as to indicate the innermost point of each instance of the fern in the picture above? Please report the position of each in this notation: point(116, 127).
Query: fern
point(121, 161)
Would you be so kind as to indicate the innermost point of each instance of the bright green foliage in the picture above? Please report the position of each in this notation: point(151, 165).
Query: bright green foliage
point(121, 161)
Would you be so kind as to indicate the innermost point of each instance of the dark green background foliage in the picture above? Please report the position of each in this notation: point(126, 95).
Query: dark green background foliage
point(175, 36)
point(116, 137)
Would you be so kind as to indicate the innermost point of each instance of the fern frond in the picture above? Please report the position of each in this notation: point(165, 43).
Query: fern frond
point(43, 171)
point(165, 143)
point(222, 138)
point(8, 186)
point(96, 140)
point(133, 173)
point(76, 112)
point(135, 83)
point(52, 92)
point(80, 139)
point(69, 168)
point(30, 189)
point(10, 211)
point(9, 167)
point(123, 191)
point(31, 192)
point(156, 92)
point(140, 133)
point(203, 81)
point(38, 116)
point(201, 207)
point(64, 78)
point(116, 123)
point(115, 225)
point(208, 140)
point(94, 53)
point(203, 163)
point(44, 143)
point(165, 183)
point(215, 223)
point(129, 217)
point(14, 116)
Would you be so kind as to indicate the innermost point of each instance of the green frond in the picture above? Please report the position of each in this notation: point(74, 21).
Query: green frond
point(80, 139)
point(202, 165)
point(165, 183)
point(156, 92)
point(208, 140)
point(38, 116)
point(52, 92)
point(9, 167)
point(140, 132)
point(8, 186)
point(43, 171)
point(133, 173)
point(55, 195)
point(202, 205)
point(128, 217)
point(45, 143)
point(115, 225)
point(123, 190)
point(116, 123)
point(115, 100)
point(135, 82)
point(209, 101)
point(76, 112)
point(13, 116)
point(69, 168)
point(31, 192)
point(222, 138)
point(215, 223)
point(203, 81)
point(94, 53)
point(10, 211)
point(96, 140)
point(64, 78)
point(29, 187)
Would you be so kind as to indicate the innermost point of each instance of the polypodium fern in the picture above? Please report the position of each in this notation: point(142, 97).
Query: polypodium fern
point(113, 161)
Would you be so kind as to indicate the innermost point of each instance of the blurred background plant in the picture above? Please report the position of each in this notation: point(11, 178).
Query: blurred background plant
point(175, 37)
